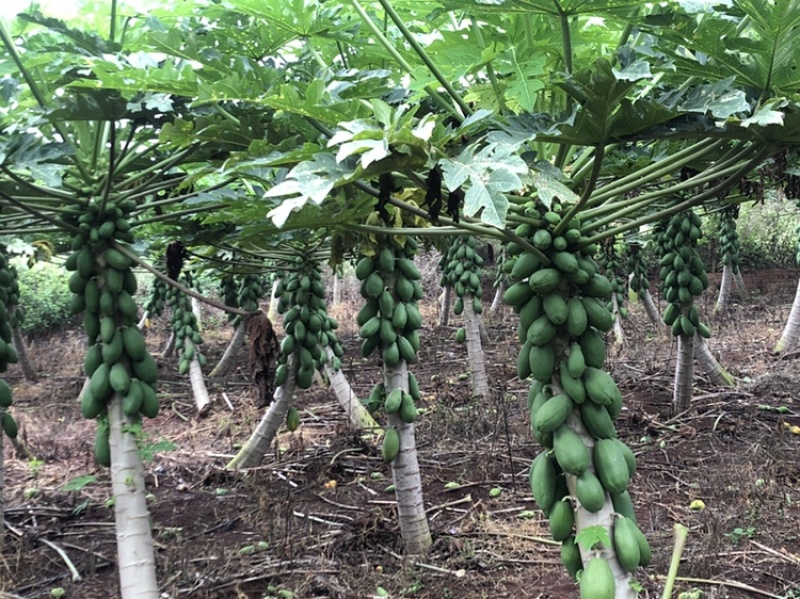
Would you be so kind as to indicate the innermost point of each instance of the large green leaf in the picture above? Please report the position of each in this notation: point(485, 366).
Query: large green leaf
point(487, 174)
point(754, 41)
point(310, 181)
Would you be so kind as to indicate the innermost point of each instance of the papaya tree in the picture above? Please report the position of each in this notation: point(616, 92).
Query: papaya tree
point(84, 172)
point(684, 278)
point(639, 283)
point(462, 273)
point(612, 264)
point(389, 322)
point(582, 476)
point(187, 339)
point(309, 333)
point(729, 247)
point(249, 293)
point(791, 330)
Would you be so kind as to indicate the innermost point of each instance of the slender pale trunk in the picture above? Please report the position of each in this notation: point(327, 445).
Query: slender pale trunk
point(444, 314)
point(272, 312)
point(738, 279)
point(477, 365)
point(725, 288)
point(198, 382)
point(197, 310)
point(23, 359)
point(257, 446)
point(684, 374)
point(619, 334)
point(337, 289)
point(143, 320)
point(497, 302)
point(650, 308)
point(170, 347)
point(791, 332)
point(706, 360)
point(135, 552)
point(359, 416)
point(405, 471)
point(485, 340)
point(229, 357)
point(603, 518)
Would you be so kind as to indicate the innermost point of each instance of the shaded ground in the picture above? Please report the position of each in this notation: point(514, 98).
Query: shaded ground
point(315, 519)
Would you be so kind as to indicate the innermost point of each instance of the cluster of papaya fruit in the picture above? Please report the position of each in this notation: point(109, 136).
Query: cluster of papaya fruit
point(9, 296)
point(103, 284)
point(461, 269)
point(612, 263)
point(637, 268)
point(229, 292)
point(158, 298)
point(390, 318)
point(249, 293)
point(682, 273)
point(729, 239)
point(402, 403)
point(561, 299)
point(542, 296)
point(186, 330)
point(308, 327)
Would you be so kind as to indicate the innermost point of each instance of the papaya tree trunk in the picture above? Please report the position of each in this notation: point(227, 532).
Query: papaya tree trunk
point(143, 320)
point(725, 288)
point(405, 472)
point(710, 365)
point(477, 365)
point(337, 289)
point(603, 518)
point(24, 361)
point(170, 347)
point(229, 357)
point(619, 334)
point(739, 281)
point(791, 332)
point(650, 308)
point(135, 550)
point(257, 446)
point(272, 312)
point(197, 310)
point(199, 389)
point(359, 416)
point(497, 302)
point(444, 314)
point(684, 374)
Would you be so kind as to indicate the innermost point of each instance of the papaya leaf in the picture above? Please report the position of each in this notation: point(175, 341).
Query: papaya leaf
point(490, 172)
point(549, 187)
point(591, 536)
point(718, 98)
point(310, 181)
point(528, 70)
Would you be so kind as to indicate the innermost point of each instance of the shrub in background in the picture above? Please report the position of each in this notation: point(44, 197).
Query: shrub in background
point(44, 295)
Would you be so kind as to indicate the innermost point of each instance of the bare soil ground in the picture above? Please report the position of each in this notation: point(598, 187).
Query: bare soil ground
point(315, 519)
